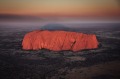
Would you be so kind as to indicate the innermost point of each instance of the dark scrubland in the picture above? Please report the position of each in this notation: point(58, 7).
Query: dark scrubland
point(101, 63)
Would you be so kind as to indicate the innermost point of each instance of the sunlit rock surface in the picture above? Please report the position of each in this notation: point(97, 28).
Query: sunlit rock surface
point(59, 40)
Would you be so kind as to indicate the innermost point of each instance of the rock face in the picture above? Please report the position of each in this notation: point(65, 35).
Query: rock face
point(59, 40)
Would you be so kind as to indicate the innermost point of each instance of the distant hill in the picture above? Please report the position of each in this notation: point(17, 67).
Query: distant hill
point(11, 17)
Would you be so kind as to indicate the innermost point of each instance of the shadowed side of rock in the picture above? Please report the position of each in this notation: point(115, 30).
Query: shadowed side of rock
point(59, 40)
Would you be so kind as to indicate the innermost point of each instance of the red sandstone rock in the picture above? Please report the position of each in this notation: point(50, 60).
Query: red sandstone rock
point(59, 40)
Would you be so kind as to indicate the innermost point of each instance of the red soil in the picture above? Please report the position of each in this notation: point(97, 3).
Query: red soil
point(59, 40)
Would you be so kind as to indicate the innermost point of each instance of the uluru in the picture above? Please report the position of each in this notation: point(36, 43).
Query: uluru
point(59, 40)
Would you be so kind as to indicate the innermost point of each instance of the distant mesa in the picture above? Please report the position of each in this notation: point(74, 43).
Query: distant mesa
point(59, 40)
point(55, 27)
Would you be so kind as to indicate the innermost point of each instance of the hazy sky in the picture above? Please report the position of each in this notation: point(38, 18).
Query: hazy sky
point(65, 8)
